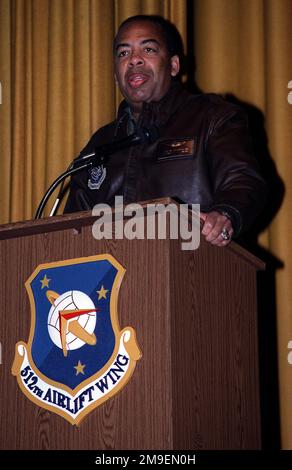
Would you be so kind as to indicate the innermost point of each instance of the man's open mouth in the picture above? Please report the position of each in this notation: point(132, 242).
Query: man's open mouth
point(135, 80)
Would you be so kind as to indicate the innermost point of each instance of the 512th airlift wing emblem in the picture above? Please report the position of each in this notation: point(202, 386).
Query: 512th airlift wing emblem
point(76, 356)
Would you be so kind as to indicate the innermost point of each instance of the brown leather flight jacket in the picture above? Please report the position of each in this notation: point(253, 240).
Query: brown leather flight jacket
point(203, 155)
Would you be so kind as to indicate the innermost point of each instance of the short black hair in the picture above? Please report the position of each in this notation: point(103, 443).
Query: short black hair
point(172, 37)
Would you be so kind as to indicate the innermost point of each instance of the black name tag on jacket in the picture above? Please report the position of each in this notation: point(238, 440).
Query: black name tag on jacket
point(175, 148)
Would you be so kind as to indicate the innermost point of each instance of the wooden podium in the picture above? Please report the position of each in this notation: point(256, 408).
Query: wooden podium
point(195, 316)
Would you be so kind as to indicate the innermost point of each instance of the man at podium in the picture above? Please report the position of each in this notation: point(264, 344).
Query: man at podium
point(192, 147)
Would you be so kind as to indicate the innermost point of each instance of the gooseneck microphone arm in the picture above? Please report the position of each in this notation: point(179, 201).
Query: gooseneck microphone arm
point(71, 170)
point(141, 136)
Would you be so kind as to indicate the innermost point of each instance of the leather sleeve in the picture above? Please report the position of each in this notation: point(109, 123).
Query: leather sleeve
point(238, 187)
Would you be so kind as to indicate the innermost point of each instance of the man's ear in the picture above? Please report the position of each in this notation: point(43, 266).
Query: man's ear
point(116, 80)
point(175, 65)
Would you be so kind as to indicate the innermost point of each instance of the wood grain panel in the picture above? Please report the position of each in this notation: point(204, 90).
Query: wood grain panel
point(194, 313)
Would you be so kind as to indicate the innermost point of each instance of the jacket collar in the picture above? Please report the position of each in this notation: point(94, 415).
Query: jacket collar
point(155, 113)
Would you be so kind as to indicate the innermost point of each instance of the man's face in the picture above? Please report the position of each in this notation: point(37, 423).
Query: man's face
point(143, 68)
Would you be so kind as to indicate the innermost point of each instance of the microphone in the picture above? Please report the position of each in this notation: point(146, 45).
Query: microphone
point(141, 136)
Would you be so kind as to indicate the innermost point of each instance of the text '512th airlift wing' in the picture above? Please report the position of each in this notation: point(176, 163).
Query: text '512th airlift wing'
point(76, 357)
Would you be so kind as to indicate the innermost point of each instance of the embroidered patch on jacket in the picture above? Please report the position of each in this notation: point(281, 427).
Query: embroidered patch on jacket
point(97, 177)
point(76, 356)
point(175, 148)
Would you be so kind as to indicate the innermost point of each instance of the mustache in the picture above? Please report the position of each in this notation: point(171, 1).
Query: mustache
point(137, 71)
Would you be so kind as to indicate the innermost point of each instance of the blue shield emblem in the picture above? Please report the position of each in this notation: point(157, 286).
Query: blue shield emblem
point(76, 356)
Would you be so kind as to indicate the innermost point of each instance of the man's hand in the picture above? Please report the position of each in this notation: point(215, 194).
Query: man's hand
point(214, 223)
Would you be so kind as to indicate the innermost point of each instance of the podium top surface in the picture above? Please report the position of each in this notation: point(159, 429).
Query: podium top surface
point(81, 219)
